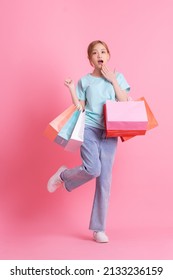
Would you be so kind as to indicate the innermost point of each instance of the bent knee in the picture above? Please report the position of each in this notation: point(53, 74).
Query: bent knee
point(93, 171)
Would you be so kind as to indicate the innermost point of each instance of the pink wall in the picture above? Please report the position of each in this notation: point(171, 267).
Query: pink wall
point(42, 43)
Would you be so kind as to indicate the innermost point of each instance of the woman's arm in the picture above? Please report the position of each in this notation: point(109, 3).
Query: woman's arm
point(121, 95)
point(80, 105)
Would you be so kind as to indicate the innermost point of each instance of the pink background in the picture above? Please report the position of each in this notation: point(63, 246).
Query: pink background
point(42, 43)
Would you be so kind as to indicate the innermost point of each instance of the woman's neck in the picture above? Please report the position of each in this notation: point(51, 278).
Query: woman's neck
point(97, 73)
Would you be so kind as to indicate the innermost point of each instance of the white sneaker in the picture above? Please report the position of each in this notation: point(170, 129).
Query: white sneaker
point(100, 236)
point(55, 181)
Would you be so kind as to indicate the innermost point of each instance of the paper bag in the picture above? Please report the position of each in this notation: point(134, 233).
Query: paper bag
point(56, 125)
point(152, 122)
point(125, 118)
point(77, 136)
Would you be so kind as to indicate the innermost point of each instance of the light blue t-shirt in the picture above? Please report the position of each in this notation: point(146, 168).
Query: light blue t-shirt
point(95, 91)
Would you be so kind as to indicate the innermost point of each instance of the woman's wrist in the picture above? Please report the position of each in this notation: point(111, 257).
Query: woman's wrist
point(115, 83)
point(76, 101)
point(79, 106)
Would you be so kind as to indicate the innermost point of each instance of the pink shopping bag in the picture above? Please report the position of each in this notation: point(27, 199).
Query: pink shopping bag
point(125, 118)
point(152, 122)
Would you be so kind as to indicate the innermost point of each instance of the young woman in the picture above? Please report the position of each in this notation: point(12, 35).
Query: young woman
point(97, 151)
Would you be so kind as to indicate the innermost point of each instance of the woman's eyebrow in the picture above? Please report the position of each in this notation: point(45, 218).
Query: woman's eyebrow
point(97, 50)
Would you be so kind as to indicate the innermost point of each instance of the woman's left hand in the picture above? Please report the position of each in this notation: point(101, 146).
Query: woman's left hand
point(109, 75)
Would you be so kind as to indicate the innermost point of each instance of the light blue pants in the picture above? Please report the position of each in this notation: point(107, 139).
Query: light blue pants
point(97, 153)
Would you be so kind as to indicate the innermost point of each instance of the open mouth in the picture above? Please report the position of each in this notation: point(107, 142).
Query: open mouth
point(100, 61)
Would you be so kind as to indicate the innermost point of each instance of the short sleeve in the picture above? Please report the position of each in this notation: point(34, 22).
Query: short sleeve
point(80, 91)
point(122, 82)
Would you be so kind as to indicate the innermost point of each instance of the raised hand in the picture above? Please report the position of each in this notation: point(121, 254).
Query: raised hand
point(109, 75)
point(71, 86)
point(69, 83)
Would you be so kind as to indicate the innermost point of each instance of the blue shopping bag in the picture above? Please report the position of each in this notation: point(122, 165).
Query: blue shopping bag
point(77, 136)
point(60, 141)
point(67, 129)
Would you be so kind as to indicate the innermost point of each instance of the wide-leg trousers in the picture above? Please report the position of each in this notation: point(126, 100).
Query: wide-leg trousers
point(97, 153)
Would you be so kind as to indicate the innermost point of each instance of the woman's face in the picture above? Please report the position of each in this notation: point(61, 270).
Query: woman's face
point(99, 56)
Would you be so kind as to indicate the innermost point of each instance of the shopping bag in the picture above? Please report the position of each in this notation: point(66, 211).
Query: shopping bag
point(71, 137)
point(67, 129)
point(60, 141)
point(125, 118)
point(55, 125)
point(77, 136)
point(152, 122)
point(124, 133)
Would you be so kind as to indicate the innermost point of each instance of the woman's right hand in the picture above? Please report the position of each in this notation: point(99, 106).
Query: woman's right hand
point(70, 84)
